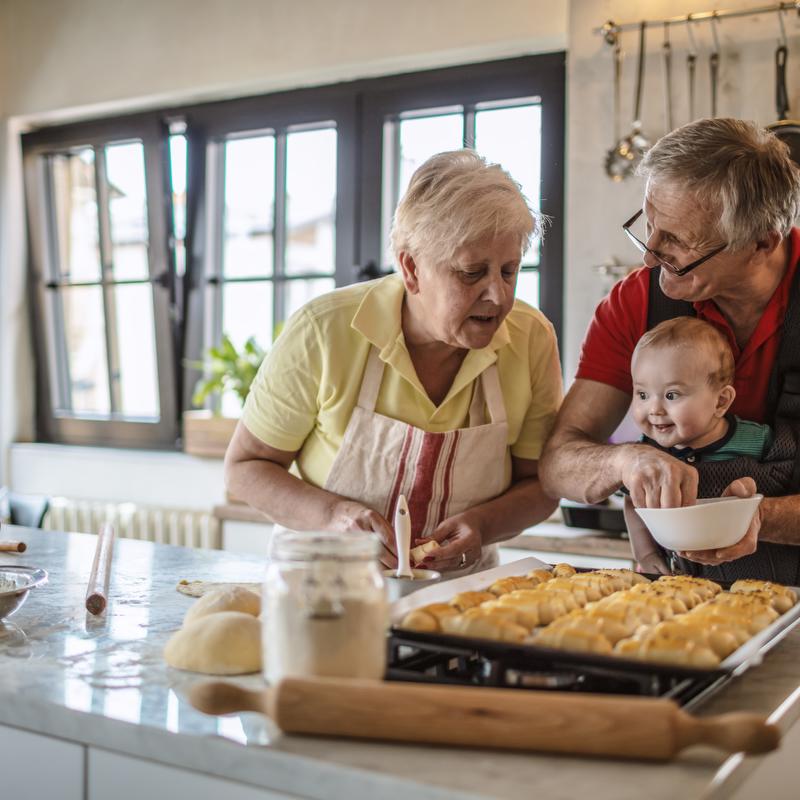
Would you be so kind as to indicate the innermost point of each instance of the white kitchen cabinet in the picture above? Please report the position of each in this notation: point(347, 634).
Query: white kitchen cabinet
point(115, 777)
point(33, 766)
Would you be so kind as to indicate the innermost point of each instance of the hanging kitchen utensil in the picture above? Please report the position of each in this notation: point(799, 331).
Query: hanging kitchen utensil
point(713, 64)
point(621, 162)
point(787, 130)
point(615, 163)
point(666, 55)
point(691, 65)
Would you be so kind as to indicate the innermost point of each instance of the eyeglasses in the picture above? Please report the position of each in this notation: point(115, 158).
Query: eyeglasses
point(640, 245)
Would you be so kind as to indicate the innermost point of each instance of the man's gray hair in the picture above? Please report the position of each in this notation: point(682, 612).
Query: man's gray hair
point(457, 198)
point(735, 169)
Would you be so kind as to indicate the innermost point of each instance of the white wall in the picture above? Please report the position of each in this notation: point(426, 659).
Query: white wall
point(595, 206)
point(68, 59)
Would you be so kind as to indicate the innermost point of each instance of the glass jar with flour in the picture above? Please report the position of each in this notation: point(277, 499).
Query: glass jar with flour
point(325, 607)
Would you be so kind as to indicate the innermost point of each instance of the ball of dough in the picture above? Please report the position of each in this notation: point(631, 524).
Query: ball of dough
point(234, 598)
point(227, 643)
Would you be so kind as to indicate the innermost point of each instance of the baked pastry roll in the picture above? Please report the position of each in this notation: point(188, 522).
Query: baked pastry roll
point(668, 651)
point(780, 602)
point(664, 593)
point(548, 606)
point(464, 600)
point(701, 586)
point(563, 570)
point(510, 584)
point(428, 618)
point(630, 577)
point(573, 638)
point(594, 585)
point(607, 627)
point(722, 642)
point(751, 620)
point(718, 622)
point(578, 592)
point(541, 575)
point(527, 616)
point(787, 597)
point(685, 592)
point(484, 626)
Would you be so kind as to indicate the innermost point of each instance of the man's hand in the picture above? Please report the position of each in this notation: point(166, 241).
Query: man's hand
point(743, 487)
point(656, 479)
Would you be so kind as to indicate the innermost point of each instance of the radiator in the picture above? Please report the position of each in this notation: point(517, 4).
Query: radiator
point(185, 527)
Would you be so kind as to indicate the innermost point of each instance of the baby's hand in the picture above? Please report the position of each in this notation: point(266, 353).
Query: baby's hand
point(654, 563)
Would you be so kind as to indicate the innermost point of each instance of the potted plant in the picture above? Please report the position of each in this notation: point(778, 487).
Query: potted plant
point(226, 369)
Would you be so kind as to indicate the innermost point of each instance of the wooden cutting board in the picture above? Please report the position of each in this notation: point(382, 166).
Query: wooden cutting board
point(513, 719)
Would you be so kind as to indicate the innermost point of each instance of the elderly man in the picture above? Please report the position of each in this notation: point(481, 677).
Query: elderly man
point(716, 232)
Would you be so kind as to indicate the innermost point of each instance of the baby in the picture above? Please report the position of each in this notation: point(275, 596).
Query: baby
point(682, 374)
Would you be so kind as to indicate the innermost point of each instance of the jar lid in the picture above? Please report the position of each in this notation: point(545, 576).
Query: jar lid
point(290, 545)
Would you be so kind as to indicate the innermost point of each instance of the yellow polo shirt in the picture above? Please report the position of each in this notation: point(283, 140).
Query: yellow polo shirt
point(304, 394)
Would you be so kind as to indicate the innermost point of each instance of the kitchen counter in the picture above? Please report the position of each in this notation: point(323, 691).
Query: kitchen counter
point(550, 536)
point(101, 683)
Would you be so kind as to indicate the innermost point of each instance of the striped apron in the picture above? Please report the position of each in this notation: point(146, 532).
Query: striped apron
point(440, 474)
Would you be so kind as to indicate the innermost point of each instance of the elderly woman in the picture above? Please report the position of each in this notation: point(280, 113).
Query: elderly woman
point(433, 383)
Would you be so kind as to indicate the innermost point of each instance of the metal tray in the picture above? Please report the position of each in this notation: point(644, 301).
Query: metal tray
point(750, 654)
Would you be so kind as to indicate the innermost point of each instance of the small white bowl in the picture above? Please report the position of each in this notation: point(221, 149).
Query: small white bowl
point(400, 587)
point(711, 524)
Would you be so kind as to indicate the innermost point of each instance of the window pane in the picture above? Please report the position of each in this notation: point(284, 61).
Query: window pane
point(177, 160)
point(86, 349)
point(249, 206)
point(298, 293)
point(247, 311)
point(310, 201)
point(75, 207)
point(422, 137)
point(137, 351)
point(528, 287)
point(513, 137)
point(127, 199)
point(407, 143)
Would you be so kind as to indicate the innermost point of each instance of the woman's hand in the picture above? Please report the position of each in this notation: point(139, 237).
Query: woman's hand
point(456, 536)
point(348, 515)
point(743, 487)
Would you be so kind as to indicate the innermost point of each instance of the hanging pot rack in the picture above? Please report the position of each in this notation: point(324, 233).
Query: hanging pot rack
point(702, 16)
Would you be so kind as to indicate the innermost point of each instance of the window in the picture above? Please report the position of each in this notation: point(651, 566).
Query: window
point(153, 235)
point(105, 361)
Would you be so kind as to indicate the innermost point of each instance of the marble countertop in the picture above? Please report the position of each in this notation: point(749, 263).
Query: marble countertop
point(101, 681)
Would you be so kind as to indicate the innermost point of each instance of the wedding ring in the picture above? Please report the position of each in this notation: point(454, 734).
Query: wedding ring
point(463, 562)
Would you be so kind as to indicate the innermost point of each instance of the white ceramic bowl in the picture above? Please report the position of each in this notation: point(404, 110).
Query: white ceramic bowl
point(712, 523)
point(400, 587)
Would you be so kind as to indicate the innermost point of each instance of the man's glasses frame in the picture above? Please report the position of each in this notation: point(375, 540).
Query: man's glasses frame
point(642, 247)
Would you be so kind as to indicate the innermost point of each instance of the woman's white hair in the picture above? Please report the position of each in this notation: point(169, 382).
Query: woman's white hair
point(737, 170)
point(457, 198)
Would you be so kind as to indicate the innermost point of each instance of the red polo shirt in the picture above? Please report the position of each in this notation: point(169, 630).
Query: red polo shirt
point(621, 319)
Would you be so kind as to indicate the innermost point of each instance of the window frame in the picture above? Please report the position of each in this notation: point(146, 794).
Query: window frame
point(207, 125)
point(43, 279)
point(541, 76)
point(183, 305)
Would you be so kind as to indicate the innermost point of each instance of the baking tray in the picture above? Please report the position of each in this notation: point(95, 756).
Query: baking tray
point(750, 654)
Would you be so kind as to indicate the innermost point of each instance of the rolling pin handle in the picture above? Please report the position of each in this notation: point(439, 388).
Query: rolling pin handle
point(736, 732)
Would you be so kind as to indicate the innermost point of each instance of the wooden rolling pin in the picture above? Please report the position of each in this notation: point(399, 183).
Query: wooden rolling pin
point(512, 719)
